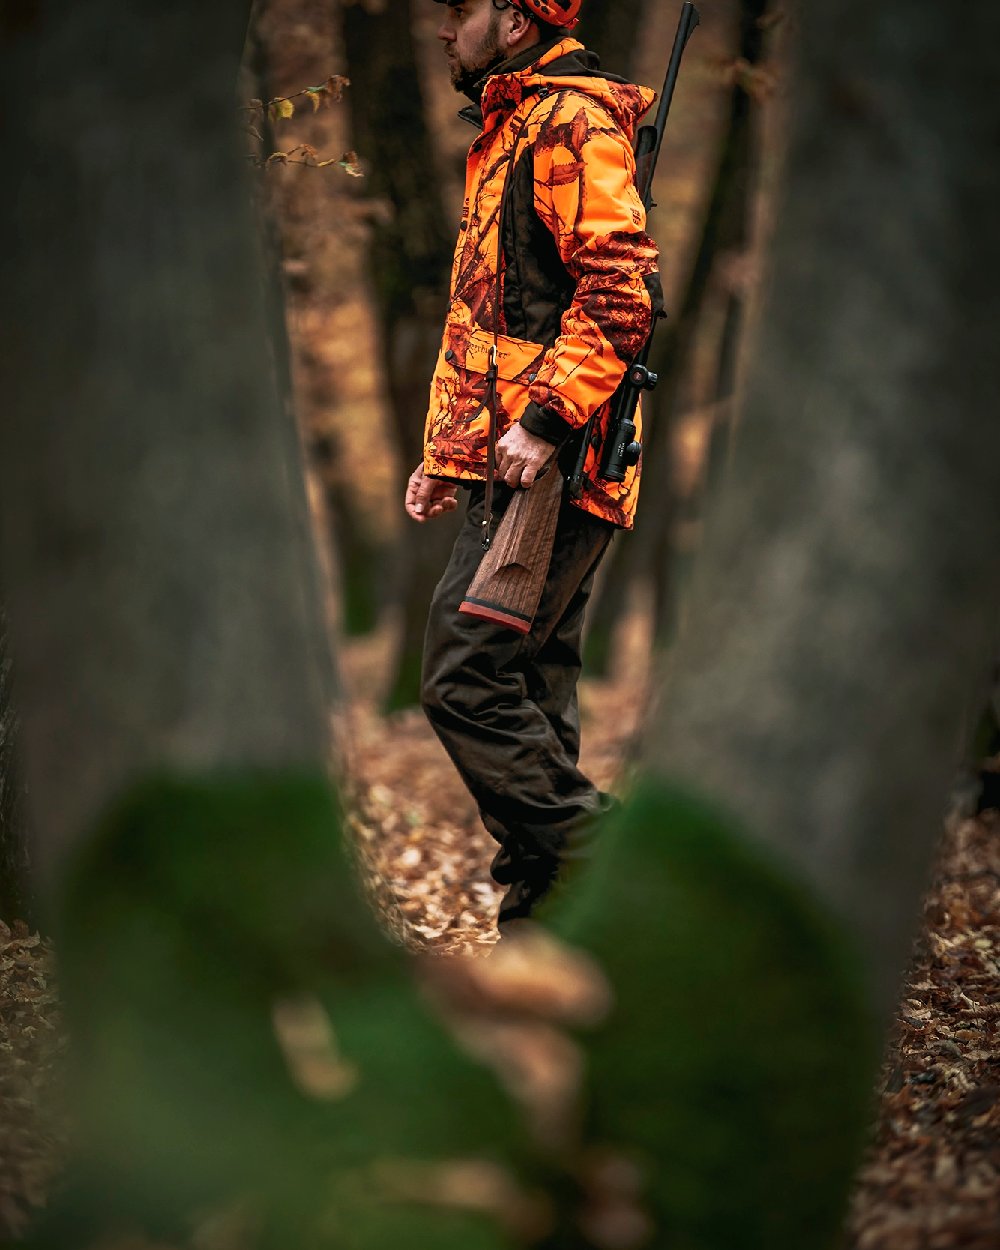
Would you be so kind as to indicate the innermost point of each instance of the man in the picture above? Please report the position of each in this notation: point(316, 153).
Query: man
point(552, 267)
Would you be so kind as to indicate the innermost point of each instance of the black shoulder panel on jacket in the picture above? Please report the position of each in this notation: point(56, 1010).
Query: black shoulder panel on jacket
point(537, 287)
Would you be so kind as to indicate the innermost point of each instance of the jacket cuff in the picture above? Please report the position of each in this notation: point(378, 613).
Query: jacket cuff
point(544, 423)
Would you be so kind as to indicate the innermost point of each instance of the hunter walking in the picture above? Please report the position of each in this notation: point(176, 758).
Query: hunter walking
point(556, 280)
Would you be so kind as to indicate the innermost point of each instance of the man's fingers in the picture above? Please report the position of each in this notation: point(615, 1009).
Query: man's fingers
point(417, 497)
point(426, 497)
point(413, 485)
point(517, 473)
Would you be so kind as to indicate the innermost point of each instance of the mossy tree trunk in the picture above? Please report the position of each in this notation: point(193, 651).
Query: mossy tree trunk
point(846, 595)
point(410, 262)
point(771, 862)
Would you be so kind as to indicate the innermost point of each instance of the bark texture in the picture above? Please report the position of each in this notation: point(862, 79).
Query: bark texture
point(846, 594)
point(159, 573)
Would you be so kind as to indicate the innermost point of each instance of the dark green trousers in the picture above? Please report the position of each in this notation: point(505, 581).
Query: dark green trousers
point(505, 704)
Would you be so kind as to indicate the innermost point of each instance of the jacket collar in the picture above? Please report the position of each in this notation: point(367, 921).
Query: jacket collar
point(501, 89)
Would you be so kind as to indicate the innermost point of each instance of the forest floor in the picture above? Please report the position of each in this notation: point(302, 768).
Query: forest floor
point(932, 1177)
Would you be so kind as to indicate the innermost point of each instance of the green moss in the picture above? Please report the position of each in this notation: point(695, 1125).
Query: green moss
point(739, 1059)
point(199, 903)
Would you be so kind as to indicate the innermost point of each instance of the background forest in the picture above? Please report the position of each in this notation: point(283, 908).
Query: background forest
point(787, 663)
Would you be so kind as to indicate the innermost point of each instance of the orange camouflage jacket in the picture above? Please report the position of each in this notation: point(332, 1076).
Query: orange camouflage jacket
point(550, 194)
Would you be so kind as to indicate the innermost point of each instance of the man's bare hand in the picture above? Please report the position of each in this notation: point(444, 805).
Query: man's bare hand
point(427, 497)
point(521, 456)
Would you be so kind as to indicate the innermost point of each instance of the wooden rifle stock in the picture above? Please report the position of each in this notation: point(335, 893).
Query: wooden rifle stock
point(508, 583)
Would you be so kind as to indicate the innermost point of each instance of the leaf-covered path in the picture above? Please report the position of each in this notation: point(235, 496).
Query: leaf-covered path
point(416, 825)
point(932, 1178)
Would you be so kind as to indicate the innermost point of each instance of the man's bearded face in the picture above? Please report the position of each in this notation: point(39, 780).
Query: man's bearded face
point(470, 32)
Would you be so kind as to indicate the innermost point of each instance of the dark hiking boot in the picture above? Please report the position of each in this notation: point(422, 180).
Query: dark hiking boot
point(523, 897)
point(533, 877)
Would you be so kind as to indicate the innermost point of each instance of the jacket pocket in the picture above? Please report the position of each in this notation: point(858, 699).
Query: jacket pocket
point(458, 422)
point(517, 360)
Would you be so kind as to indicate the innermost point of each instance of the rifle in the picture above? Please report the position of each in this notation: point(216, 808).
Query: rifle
point(508, 584)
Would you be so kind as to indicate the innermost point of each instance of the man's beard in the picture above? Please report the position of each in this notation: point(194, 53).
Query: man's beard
point(466, 74)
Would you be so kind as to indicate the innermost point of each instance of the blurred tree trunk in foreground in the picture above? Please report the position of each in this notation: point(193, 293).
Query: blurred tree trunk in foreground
point(13, 844)
point(649, 554)
point(174, 678)
point(136, 611)
point(848, 586)
point(410, 260)
point(772, 860)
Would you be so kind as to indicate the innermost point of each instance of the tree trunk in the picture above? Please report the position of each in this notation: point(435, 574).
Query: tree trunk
point(342, 525)
point(847, 589)
point(770, 863)
point(172, 665)
point(612, 29)
point(145, 441)
point(13, 840)
point(736, 227)
point(410, 259)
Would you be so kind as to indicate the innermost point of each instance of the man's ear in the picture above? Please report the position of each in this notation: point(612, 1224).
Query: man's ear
point(520, 26)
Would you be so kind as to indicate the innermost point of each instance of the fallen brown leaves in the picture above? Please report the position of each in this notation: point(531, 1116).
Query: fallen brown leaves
point(932, 1179)
point(30, 1042)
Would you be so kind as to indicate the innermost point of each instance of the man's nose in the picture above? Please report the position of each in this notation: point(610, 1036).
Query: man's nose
point(446, 32)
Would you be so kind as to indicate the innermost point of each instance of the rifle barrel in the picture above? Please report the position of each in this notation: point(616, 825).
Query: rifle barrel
point(648, 144)
point(689, 19)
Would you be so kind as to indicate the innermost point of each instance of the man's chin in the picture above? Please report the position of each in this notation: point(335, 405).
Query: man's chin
point(465, 81)
point(462, 79)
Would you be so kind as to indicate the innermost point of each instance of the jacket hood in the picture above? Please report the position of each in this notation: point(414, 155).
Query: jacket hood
point(562, 64)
